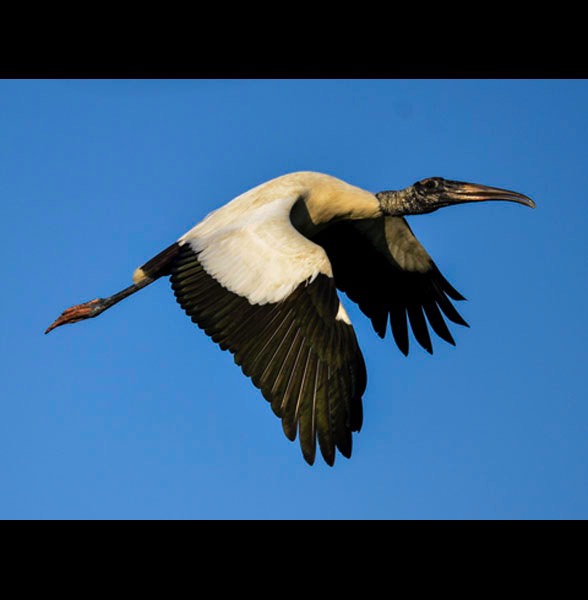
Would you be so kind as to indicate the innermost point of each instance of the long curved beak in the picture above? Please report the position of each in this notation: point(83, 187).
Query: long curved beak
point(458, 192)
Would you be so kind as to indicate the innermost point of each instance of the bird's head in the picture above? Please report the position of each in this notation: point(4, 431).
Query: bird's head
point(432, 193)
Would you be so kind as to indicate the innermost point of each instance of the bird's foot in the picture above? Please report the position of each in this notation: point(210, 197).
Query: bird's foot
point(76, 313)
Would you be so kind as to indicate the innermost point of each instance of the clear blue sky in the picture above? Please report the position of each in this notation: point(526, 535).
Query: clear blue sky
point(137, 414)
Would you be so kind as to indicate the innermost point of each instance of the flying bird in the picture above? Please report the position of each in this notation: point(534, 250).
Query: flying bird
point(260, 276)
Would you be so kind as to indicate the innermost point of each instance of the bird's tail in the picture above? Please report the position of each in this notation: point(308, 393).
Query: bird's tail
point(158, 266)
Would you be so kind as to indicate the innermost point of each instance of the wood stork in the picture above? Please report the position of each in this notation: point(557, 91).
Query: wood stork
point(260, 277)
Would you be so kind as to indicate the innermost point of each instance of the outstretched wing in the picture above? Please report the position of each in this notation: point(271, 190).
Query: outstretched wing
point(264, 292)
point(382, 267)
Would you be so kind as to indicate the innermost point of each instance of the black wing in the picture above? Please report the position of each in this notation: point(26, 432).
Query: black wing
point(382, 267)
point(306, 362)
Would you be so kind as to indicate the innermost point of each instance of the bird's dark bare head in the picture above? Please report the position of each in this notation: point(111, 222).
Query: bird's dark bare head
point(432, 193)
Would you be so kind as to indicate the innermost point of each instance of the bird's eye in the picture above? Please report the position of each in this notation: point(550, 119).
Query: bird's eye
point(430, 184)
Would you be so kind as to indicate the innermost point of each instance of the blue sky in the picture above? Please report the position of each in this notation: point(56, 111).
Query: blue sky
point(137, 414)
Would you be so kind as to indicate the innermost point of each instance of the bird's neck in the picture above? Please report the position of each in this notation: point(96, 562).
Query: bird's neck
point(398, 203)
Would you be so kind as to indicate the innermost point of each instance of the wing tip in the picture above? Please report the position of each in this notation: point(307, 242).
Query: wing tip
point(308, 457)
point(330, 459)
